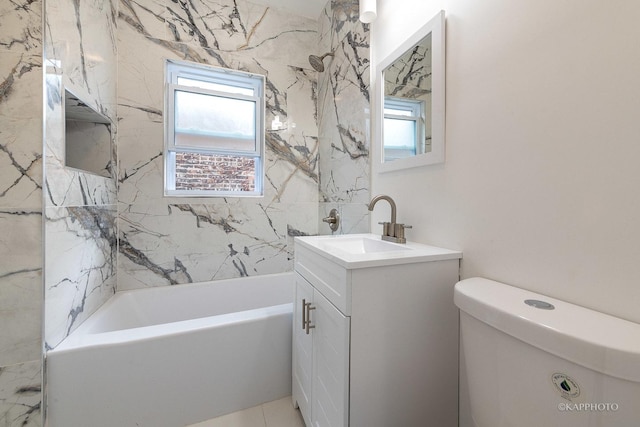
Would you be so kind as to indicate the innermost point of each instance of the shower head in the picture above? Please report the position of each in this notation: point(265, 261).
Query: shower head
point(316, 61)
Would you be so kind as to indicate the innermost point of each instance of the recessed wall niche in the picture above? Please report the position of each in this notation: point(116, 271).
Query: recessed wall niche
point(87, 137)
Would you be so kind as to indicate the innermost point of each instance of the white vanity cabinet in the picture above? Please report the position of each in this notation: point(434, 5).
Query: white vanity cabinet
point(375, 339)
point(321, 364)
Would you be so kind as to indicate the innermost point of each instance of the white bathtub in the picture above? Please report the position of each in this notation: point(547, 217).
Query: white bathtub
point(176, 355)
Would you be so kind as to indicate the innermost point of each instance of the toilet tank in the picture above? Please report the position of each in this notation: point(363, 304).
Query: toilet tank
point(528, 360)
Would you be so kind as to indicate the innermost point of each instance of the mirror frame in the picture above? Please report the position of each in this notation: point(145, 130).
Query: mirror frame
point(436, 26)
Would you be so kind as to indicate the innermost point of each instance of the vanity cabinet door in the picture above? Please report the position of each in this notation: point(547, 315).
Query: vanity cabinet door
point(302, 350)
point(330, 385)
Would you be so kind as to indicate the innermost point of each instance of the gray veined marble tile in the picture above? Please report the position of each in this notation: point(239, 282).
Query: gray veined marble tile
point(246, 27)
point(183, 243)
point(302, 220)
point(291, 152)
point(355, 218)
point(345, 20)
point(81, 37)
point(20, 395)
point(290, 179)
point(67, 186)
point(20, 285)
point(20, 130)
point(21, 28)
point(325, 30)
point(146, 16)
point(343, 108)
point(81, 255)
point(80, 211)
point(20, 212)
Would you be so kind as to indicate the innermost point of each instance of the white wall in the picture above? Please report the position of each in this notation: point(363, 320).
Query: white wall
point(541, 185)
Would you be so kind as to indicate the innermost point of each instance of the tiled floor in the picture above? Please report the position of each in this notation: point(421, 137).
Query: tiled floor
point(279, 413)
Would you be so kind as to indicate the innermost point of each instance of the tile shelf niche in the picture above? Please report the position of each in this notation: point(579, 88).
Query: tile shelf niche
point(88, 137)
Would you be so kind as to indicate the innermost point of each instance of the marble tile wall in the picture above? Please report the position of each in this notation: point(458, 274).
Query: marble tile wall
point(343, 116)
point(319, 161)
point(165, 240)
point(20, 212)
point(80, 208)
point(161, 240)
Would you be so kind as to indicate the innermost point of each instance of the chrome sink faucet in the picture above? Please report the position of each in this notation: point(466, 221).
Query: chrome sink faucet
point(391, 231)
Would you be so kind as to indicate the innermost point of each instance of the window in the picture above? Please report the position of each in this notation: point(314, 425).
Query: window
point(214, 137)
point(403, 128)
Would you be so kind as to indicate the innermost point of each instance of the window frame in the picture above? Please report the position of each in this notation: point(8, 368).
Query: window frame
point(416, 109)
point(210, 74)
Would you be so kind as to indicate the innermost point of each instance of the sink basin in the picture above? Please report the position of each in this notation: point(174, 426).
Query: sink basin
point(369, 250)
point(362, 245)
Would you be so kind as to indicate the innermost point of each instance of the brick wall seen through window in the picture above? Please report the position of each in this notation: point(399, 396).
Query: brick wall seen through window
point(214, 172)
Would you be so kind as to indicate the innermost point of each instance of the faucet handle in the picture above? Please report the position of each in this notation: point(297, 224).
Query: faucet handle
point(333, 220)
point(399, 232)
point(386, 228)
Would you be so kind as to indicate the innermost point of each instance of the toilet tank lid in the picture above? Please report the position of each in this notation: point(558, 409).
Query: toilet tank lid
point(595, 340)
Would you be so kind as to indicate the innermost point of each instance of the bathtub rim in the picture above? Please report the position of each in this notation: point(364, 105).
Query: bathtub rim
point(75, 342)
point(83, 336)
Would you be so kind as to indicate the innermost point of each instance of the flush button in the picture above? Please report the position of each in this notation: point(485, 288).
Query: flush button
point(539, 304)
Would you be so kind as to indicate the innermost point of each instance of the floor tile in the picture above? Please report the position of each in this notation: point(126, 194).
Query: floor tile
point(281, 413)
point(252, 417)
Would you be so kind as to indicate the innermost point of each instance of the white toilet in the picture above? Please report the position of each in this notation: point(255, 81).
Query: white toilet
point(529, 361)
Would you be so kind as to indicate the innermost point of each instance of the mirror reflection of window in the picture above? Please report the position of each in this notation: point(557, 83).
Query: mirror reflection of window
point(403, 128)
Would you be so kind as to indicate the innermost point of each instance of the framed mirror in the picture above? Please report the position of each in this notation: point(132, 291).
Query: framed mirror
point(410, 101)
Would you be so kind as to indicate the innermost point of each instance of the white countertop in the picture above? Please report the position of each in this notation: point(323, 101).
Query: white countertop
point(369, 250)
